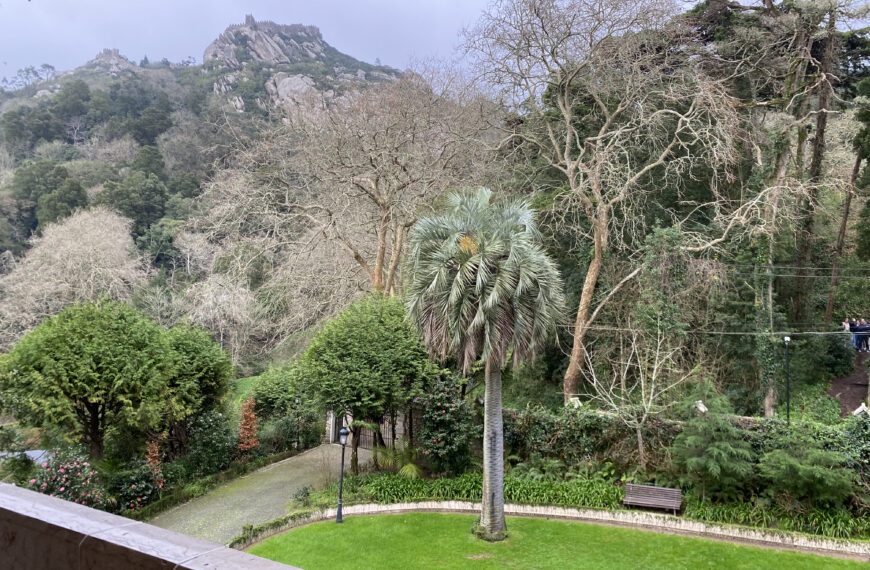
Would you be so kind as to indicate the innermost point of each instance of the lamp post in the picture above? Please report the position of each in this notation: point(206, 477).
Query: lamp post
point(342, 439)
point(787, 340)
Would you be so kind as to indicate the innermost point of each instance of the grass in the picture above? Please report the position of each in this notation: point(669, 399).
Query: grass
point(420, 540)
point(241, 391)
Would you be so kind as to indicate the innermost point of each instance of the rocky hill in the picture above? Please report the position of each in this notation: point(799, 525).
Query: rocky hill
point(260, 64)
point(266, 42)
point(257, 67)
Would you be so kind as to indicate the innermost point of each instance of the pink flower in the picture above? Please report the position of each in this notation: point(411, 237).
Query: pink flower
point(44, 485)
point(32, 481)
point(133, 486)
point(44, 465)
point(61, 489)
point(60, 470)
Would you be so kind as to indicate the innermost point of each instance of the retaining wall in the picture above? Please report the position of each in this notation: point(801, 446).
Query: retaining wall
point(629, 519)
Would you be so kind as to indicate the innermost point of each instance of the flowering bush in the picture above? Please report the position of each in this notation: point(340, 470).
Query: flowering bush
point(135, 486)
point(448, 427)
point(70, 477)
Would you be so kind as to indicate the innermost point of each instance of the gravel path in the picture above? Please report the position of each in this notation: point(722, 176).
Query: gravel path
point(851, 389)
point(256, 498)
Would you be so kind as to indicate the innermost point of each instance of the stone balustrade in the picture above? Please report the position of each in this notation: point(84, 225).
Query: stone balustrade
point(39, 532)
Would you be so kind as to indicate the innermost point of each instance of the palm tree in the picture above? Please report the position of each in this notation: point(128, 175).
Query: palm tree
point(482, 288)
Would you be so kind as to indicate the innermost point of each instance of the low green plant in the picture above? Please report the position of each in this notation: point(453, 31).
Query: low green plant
point(801, 472)
point(391, 488)
point(401, 460)
point(17, 468)
point(834, 523)
point(539, 468)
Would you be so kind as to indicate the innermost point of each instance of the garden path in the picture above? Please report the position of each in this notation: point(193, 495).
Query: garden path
point(256, 498)
point(851, 389)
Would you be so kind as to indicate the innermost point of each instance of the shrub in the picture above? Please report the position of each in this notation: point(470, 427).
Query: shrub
point(133, 486)
point(801, 471)
point(17, 469)
point(278, 435)
point(393, 488)
point(212, 445)
point(539, 468)
point(70, 477)
point(275, 391)
point(448, 427)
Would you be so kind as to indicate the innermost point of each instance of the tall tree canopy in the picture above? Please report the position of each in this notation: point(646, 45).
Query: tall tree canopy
point(91, 368)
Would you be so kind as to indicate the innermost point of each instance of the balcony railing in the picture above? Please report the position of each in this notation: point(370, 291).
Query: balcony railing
point(40, 532)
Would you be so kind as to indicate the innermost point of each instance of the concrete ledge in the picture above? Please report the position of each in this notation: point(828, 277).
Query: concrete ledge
point(629, 519)
point(42, 532)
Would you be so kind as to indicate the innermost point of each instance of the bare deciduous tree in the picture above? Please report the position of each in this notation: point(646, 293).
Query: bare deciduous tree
point(611, 97)
point(645, 373)
point(318, 210)
point(380, 155)
point(84, 257)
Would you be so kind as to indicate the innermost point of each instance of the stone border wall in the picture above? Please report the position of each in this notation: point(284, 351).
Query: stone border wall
point(38, 532)
point(630, 519)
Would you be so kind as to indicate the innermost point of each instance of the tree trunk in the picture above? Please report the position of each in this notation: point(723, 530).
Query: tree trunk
point(582, 323)
point(841, 238)
point(378, 272)
point(354, 453)
point(641, 448)
point(805, 235)
point(492, 522)
point(770, 400)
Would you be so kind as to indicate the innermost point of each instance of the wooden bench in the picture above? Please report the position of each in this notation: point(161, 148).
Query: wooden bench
point(655, 497)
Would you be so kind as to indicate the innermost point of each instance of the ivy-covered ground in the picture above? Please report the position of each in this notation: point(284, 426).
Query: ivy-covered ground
point(425, 540)
point(255, 498)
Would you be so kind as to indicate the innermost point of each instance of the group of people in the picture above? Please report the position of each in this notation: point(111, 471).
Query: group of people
point(860, 330)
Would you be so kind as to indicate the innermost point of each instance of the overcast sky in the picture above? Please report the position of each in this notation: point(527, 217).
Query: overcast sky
point(67, 33)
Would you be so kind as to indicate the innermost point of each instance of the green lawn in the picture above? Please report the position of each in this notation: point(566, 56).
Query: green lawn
point(421, 540)
point(241, 391)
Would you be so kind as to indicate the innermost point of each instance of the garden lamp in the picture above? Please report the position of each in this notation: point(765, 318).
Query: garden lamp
point(787, 340)
point(342, 439)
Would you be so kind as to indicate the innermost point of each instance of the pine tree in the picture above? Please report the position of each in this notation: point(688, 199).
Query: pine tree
point(709, 451)
point(248, 434)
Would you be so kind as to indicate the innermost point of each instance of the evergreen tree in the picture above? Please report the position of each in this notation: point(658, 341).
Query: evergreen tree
point(140, 197)
point(149, 161)
point(709, 451)
point(60, 203)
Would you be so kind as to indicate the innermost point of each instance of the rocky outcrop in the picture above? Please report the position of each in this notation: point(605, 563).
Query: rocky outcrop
point(288, 91)
point(269, 56)
point(265, 42)
point(111, 61)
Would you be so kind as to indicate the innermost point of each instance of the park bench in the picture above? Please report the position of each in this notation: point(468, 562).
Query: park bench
point(655, 497)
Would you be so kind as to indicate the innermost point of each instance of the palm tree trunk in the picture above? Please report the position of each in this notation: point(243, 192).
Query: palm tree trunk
point(492, 523)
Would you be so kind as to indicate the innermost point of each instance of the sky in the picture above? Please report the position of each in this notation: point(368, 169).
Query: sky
point(68, 33)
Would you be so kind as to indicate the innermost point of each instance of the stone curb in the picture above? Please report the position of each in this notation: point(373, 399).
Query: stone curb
point(630, 519)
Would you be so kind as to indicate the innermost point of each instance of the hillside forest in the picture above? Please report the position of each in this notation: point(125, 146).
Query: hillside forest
point(699, 179)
